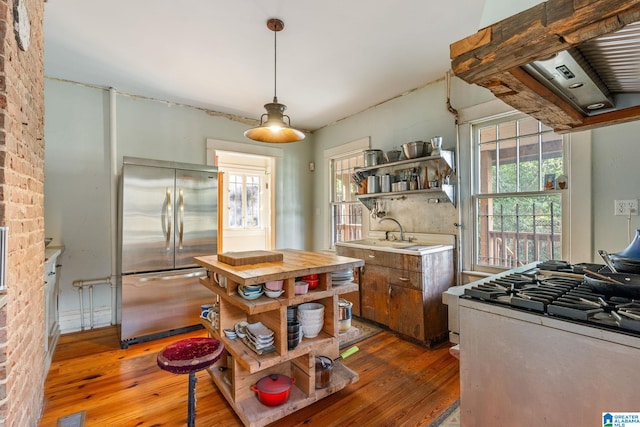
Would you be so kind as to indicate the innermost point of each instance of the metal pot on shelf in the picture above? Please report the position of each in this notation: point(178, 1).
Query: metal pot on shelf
point(372, 157)
point(345, 308)
point(324, 367)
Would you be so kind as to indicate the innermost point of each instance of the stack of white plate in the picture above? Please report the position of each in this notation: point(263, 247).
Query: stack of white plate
point(341, 277)
point(259, 336)
point(311, 318)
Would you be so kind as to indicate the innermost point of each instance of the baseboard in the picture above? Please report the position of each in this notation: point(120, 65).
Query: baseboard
point(70, 321)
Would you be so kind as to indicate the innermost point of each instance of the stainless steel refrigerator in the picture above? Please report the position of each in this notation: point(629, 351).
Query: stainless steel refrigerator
point(168, 216)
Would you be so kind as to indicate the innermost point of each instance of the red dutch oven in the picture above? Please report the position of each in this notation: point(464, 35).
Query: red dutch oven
point(273, 390)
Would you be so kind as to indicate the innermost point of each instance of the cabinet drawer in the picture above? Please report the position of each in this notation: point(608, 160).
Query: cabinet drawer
point(405, 278)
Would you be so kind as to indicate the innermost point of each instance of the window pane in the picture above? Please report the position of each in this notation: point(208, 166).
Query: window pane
point(486, 165)
point(347, 218)
point(514, 231)
point(253, 201)
point(552, 160)
point(529, 164)
point(507, 171)
point(235, 201)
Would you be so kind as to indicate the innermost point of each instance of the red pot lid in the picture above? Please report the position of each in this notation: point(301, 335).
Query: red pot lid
point(274, 383)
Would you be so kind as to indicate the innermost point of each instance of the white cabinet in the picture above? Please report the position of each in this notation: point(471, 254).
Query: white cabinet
point(51, 290)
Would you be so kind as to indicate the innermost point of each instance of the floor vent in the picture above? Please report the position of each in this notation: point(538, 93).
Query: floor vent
point(73, 420)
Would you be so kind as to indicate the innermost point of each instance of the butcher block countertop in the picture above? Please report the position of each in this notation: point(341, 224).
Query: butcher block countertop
point(295, 263)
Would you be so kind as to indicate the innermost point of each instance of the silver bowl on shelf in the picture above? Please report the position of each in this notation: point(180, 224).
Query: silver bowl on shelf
point(413, 150)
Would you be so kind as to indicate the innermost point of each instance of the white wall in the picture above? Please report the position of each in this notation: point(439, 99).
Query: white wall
point(615, 176)
point(418, 115)
point(77, 176)
point(422, 114)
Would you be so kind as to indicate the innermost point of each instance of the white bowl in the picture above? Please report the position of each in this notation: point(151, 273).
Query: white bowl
point(310, 307)
point(311, 330)
point(273, 294)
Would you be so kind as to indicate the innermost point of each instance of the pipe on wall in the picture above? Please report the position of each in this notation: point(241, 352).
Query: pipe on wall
point(114, 199)
point(89, 284)
point(458, 224)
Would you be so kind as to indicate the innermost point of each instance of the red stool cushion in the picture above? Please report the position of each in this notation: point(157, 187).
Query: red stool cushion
point(190, 355)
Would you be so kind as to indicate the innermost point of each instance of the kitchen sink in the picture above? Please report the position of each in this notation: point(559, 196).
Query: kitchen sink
point(414, 248)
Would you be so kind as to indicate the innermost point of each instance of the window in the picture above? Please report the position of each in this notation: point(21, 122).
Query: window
point(346, 210)
point(244, 200)
point(517, 211)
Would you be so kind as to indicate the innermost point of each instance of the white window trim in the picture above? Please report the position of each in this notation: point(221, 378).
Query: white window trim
point(577, 211)
point(352, 147)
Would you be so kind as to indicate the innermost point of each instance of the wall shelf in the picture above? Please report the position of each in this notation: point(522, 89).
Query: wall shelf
point(445, 193)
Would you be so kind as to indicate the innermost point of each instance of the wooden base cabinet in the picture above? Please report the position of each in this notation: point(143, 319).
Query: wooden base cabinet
point(404, 292)
point(242, 367)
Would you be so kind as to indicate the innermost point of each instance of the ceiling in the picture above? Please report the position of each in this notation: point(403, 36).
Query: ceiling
point(334, 58)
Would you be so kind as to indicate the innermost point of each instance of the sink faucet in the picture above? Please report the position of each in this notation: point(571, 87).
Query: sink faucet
point(388, 218)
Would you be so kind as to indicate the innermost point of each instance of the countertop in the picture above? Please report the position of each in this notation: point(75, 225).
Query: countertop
point(420, 244)
point(295, 263)
point(51, 252)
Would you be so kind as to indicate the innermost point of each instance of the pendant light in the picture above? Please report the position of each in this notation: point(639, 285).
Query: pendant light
point(274, 129)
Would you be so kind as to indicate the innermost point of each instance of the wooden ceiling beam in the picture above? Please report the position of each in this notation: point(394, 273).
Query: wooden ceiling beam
point(493, 57)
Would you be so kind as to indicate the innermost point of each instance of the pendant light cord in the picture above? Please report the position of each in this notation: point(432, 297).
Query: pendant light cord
point(275, 66)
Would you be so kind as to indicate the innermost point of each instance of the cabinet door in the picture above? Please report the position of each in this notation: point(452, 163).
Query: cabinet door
point(406, 312)
point(374, 293)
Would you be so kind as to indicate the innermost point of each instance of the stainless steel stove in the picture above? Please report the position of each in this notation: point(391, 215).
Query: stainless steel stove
point(543, 348)
point(564, 296)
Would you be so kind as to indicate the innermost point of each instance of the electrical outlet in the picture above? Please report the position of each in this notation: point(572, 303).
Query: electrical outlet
point(626, 207)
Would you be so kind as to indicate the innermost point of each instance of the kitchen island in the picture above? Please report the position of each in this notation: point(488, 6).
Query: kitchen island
point(243, 367)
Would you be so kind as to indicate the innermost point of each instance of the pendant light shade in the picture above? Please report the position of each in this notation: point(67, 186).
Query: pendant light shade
point(275, 129)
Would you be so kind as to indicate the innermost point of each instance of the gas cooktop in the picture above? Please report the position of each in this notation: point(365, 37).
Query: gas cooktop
point(556, 288)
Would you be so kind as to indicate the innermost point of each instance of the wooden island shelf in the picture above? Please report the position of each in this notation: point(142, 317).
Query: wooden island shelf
point(243, 367)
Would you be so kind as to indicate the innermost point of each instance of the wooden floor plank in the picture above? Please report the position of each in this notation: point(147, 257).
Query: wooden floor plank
point(400, 384)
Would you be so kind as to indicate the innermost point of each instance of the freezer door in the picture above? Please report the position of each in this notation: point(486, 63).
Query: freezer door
point(196, 215)
point(158, 302)
point(148, 209)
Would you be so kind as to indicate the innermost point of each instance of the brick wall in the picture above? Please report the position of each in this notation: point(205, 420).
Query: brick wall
point(21, 210)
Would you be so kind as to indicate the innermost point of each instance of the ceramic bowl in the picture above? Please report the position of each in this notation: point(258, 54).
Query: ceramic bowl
point(311, 329)
point(273, 294)
point(301, 288)
point(274, 285)
point(231, 334)
point(251, 288)
point(249, 295)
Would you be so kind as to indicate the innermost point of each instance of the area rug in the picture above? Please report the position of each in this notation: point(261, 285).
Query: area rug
point(450, 417)
point(360, 330)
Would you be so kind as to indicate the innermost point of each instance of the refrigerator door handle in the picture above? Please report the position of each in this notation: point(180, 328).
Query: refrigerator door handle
point(181, 207)
point(168, 220)
point(145, 280)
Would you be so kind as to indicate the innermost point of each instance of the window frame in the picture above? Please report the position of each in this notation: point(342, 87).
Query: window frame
point(333, 192)
point(262, 175)
point(476, 194)
point(353, 147)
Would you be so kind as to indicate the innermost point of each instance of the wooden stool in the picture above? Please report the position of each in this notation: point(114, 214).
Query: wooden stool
point(189, 356)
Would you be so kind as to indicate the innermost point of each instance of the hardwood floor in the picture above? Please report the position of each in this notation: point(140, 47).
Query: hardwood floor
point(401, 384)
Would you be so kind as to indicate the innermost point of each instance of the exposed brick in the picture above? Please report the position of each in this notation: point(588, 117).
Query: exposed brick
point(21, 208)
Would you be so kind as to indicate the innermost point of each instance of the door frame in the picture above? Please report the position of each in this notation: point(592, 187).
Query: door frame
point(276, 154)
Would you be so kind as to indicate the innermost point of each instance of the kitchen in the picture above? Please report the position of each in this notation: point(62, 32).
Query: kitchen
point(76, 159)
